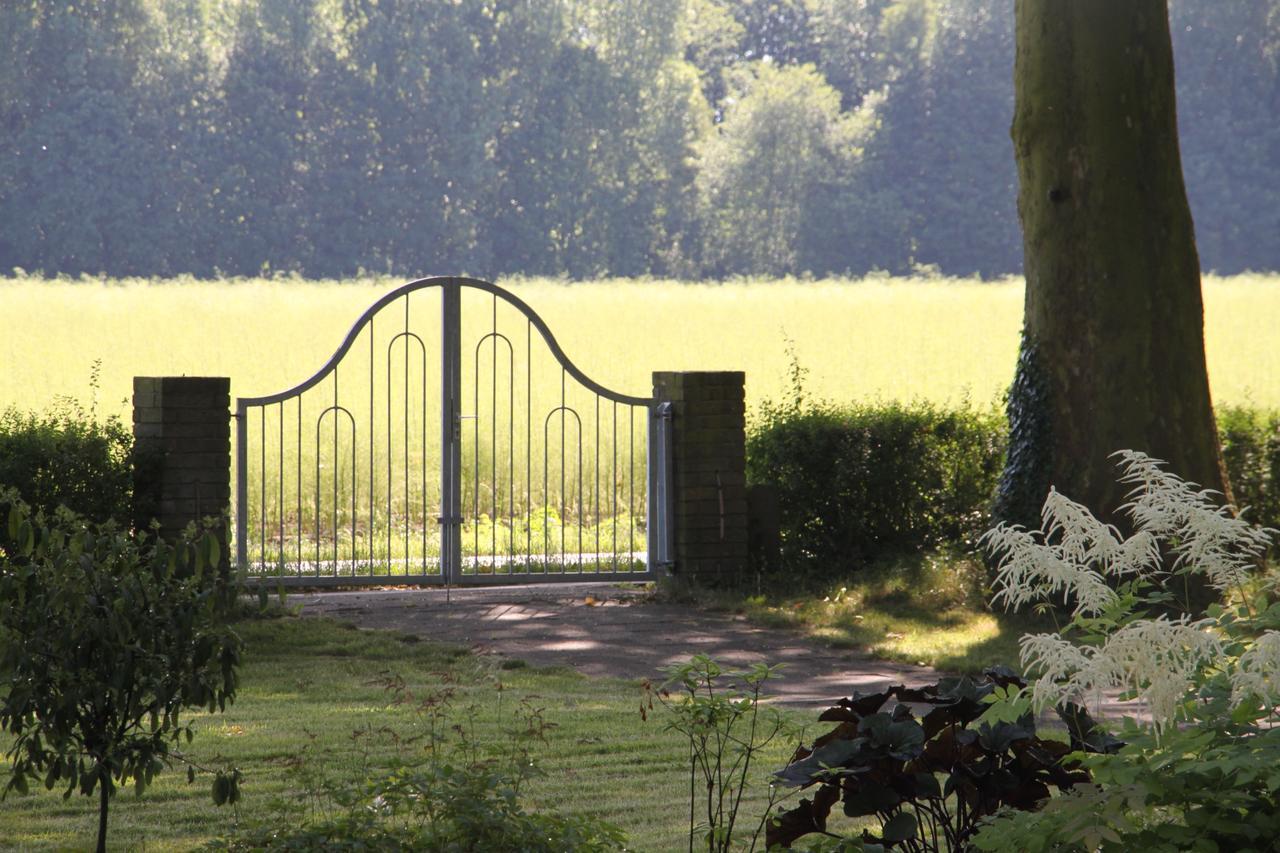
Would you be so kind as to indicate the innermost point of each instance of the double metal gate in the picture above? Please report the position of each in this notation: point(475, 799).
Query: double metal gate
point(501, 463)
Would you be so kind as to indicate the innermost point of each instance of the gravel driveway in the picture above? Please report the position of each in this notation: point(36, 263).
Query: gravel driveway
point(609, 630)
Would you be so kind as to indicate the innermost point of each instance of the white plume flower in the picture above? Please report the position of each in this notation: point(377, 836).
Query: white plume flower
point(1158, 659)
point(1033, 571)
point(1161, 660)
point(1207, 538)
point(1257, 673)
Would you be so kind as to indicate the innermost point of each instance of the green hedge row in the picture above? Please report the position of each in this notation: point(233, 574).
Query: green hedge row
point(66, 457)
point(855, 483)
point(1251, 450)
point(860, 483)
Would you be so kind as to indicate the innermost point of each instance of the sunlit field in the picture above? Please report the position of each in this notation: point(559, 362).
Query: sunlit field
point(949, 341)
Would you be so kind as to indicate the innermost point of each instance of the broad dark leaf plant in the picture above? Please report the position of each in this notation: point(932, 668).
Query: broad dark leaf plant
point(930, 763)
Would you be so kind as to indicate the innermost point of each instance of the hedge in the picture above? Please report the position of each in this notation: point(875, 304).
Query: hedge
point(860, 483)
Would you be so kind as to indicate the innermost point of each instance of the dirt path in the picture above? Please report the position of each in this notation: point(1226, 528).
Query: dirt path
point(606, 630)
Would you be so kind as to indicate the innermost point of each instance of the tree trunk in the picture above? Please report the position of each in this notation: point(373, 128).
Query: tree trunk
point(104, 802)
point(1113, 337)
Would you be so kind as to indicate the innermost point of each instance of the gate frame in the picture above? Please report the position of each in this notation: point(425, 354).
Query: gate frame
point(660, 507)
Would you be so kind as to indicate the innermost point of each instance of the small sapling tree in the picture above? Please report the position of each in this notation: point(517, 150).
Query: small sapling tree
point(105, 637)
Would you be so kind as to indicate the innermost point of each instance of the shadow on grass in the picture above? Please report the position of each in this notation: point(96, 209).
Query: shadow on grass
point(928, 609)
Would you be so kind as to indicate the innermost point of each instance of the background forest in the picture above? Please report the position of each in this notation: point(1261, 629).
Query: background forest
point(684, 138)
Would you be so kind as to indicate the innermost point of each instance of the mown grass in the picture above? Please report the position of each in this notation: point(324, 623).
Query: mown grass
point(312, 705)
point(944, 340)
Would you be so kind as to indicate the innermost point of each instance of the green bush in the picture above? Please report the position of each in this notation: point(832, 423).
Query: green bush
point(66, 457)
point(106, 637)
point(1251, 450)
point(858, 483)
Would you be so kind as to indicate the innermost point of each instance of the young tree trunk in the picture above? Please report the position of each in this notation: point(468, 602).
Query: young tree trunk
point(1113, 338)
point(104, 801)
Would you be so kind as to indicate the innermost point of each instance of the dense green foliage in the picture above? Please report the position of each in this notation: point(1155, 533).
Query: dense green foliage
point(66, 457)
point(105, 638)
point(1251, 451)
point(859, 483)
point(571, 137)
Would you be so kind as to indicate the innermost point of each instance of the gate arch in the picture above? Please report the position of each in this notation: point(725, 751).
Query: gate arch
point(415, 475)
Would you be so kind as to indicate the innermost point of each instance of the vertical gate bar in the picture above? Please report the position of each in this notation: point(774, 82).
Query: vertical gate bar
point(668, 487)
point(581, 508)
point(451, 431)
point(597, 489)
point(613, 480)
point(373, 434)
point(280, 497)
point(426, 503)
point(631, 498)
point(298, 472)
point(651, 449)
point(528, 441)
point(262, 489)
point(562, 466)
point(242, 487)
point(511, 454)
point(355, 490)
point(408, 514)
point(493, 443)
point(547, 498)
point(316, 516)
point(355, 487)
point(562, 469)
point(391, 452)
point(336, 466)
point(475, 447)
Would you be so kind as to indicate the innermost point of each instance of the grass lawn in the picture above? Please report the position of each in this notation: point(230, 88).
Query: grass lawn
point(311, 689)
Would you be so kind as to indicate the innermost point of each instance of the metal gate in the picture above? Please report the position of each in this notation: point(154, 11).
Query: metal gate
point(501, 463)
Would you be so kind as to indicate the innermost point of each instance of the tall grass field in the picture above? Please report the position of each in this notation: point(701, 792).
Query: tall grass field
point(952, 341)
point(551, 471)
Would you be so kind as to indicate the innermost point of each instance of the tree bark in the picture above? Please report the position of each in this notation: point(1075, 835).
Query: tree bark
point(1113, 337)
point(104, 802)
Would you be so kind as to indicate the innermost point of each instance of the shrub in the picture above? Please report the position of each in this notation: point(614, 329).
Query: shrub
point(1201, 775)
point(862, 482)
point(66, 457)
point(719, 715)
point(857, 483)
point(105, 638)
point(1251, 451)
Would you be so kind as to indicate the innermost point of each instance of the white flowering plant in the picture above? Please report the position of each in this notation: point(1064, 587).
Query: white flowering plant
point(1201, 767)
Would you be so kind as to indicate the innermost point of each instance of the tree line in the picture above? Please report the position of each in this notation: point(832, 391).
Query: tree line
point(688, 138)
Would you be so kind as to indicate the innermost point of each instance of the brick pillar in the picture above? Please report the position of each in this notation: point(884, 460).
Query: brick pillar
point(182, 447)
point(709, 460)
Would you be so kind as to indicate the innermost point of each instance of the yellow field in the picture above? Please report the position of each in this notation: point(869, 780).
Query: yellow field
point(943, 340)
